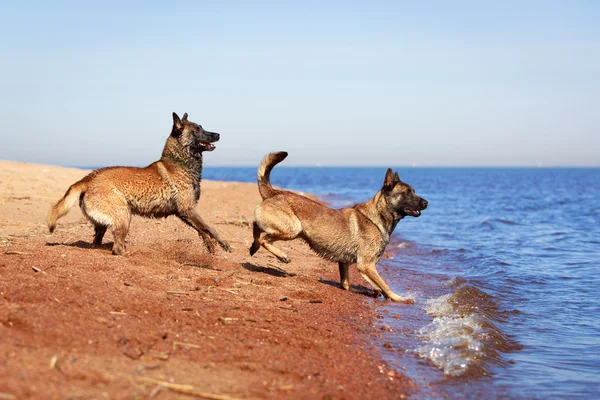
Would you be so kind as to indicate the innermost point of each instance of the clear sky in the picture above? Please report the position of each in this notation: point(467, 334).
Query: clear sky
point(332, 82)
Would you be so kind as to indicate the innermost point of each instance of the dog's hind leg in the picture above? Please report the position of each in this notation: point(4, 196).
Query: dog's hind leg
point(92, 207)
point(256, 231)
point(120, 228)
point(99, 230)
point(267, 242)
point(344, 275)
point(278, 224)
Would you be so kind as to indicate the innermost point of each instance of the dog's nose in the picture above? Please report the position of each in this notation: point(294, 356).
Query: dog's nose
point(424, 203)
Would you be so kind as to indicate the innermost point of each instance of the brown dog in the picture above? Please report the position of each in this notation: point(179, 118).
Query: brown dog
point(349, 235)
point(171, 186)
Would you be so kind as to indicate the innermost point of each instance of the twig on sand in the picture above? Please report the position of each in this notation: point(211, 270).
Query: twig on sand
point(210, 267)
point(43, 271)
point(184, 389)
point(230, 275)
point(225, 320)
point(288, 308)
point(155, 391)
point(229, 290)
point(254, 284)
point(183, 344)
point(7, 396)
point(177, 293)
point(21, 253)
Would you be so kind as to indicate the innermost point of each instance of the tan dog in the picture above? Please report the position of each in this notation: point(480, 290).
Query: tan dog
point(346, 236)
point(171, 186)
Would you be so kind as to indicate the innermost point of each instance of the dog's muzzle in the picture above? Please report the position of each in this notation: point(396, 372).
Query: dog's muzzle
point(207, 145)
point(416, 211)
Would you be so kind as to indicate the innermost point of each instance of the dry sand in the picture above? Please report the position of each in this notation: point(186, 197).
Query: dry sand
point(169, 320)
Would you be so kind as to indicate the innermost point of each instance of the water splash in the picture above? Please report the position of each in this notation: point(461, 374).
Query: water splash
point(463, 338)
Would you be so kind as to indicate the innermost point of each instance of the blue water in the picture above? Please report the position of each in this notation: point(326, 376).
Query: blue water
point(505, 268)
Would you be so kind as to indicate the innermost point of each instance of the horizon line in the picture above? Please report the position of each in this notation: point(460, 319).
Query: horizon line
point(365, 166)
point(317, 165)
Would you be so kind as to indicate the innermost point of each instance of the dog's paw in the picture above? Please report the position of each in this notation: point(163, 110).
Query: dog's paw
point(209, 246)
point(225, 246)
point(118, 250)
point(400, 299)
point(254, 248)
point(285, 260)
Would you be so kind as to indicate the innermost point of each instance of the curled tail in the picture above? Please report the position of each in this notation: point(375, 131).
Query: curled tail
point(66, 203)
point(264, 173)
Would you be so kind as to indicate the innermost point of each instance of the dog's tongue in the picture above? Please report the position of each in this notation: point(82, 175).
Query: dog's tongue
point(208, 145)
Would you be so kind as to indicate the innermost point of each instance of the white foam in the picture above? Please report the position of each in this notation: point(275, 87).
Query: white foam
point(452, 342)
point(439, 306)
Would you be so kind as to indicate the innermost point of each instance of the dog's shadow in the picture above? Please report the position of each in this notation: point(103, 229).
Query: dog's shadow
point(82, 245)
point(360, 289)
point(267, 270)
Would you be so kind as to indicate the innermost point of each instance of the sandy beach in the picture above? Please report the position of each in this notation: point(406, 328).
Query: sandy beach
point(169, 319)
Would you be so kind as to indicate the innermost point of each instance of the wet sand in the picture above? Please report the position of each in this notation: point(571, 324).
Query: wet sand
point(169, 319)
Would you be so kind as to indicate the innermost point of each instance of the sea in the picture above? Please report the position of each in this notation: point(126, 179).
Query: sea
point(504, 267)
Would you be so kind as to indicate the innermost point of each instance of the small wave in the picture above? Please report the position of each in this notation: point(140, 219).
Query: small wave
point(448, 251)
point(492, 223)
point(551, 249)
point(456, 281)
point(463, 337)
point(488, 225)
point(505, 221)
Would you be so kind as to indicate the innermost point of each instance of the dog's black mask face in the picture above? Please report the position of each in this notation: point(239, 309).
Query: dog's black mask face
point(192, 136)
point(401, 197)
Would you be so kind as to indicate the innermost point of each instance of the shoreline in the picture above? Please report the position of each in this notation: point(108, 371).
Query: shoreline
point(78, 321)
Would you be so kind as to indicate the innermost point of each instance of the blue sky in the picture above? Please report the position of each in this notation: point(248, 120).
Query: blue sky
point(334, 83)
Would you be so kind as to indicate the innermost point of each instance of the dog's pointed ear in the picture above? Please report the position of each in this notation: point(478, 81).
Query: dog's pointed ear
point(176, 120)
point(389, 182)
point(396, 177)
point(184, 119)
point(177, 125)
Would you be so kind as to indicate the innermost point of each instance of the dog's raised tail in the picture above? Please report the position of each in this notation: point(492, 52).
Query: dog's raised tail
point(65, 204)
point(264, 173)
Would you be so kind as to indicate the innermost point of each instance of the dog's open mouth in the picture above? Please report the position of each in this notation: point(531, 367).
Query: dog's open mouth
point(206, 146)
point(412, 212)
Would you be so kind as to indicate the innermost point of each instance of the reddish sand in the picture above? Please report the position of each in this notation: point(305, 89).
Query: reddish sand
point(169, 319)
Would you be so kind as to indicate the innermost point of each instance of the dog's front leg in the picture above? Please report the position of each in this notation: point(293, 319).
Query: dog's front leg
point(369, 272)
point(344, 275)
point(193, 219)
